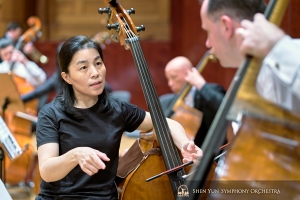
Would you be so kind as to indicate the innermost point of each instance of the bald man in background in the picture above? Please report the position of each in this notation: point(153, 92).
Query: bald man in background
point(203, 96)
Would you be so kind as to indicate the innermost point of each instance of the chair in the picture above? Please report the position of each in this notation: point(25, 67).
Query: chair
point(123, 95)
point(166, 100)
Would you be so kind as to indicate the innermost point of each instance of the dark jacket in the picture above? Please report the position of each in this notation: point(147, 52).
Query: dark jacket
point(52, 84)
point(207, 100)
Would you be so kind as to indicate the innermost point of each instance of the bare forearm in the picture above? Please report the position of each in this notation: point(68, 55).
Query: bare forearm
point(56, 168)
point(178, 133)
point(189, 151)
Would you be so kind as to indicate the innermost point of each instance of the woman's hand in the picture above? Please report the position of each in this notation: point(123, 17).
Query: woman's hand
point(90, 160)
point(190, 152)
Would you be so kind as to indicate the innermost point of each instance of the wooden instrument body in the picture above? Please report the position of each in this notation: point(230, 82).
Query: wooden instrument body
point(23, 88)
point(190, 118)
point(265, 149)
point(19, 169)
point(134, 186)
point(264, 154)
point(271, 161)
point(127, 34)
point(25, 167)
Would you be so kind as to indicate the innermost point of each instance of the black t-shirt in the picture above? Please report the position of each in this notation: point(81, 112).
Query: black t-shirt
point(101, 129)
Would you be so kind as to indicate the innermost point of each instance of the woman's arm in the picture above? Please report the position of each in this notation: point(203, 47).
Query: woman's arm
point(188, 149)
point(54, 167)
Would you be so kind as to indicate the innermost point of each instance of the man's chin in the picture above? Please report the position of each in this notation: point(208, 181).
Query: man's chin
point(229, 64)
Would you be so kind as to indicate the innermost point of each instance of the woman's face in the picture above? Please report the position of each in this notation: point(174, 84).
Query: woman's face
point(86, 74)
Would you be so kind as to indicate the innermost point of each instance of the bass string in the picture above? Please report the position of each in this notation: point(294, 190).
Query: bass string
point(152, 100)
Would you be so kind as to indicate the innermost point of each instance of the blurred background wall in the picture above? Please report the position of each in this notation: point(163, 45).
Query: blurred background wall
point(173, 27)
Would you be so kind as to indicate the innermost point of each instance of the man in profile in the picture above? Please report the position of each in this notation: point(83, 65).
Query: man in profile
point(203, 96)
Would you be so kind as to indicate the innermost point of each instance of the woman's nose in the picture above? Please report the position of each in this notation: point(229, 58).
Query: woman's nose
point(94, 72)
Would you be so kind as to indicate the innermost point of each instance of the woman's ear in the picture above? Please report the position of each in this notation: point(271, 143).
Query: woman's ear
point(227, 26)
point(65, 76)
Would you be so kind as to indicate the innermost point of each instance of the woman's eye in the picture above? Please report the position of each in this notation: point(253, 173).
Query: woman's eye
point(83, 67)
point(99, 63)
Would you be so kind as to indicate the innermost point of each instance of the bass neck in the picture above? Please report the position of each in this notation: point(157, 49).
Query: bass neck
point(162, 130)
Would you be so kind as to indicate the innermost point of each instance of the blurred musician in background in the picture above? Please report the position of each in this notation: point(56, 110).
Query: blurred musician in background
point(205, 97)
point(26, 74)
point(52, 84)
point(13, 32)
point(22, 67)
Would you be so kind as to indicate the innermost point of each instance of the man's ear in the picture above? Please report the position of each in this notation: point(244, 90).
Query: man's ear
point(65, 76)
point(227, 26)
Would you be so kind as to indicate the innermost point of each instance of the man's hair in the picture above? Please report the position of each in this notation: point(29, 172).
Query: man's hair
point(5, 43)
point(236, 9)
point(13, 26)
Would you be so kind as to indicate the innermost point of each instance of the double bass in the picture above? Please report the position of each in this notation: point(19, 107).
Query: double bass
point(189, 118)
point(264, 154)
point(157, 148)
point(22, 85)
point(16, 118)
point(16, 169)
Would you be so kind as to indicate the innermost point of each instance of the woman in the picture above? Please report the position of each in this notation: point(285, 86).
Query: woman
point(79, 132)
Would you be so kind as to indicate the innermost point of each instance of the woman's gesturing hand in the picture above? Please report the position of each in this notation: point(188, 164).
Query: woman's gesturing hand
point(190, 152)
point(90, 160)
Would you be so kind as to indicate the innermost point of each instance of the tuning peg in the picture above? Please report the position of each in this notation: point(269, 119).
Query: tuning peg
point(130, 11)
point(112, 26)
point(140, 28)
point(103, 10)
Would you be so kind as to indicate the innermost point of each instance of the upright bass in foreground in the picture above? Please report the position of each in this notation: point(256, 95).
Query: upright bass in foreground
point(157, 150)
point(263, 158)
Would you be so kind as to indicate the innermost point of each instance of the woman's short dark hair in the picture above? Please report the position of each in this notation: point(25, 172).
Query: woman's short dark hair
point(65, 56)
point(236, 9)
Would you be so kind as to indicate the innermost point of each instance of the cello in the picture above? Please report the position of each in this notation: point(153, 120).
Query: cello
point(19, 169)
point(157, 148)
point(23, 86)
point(189, 118)
point(16, 169)
point(270, 157)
